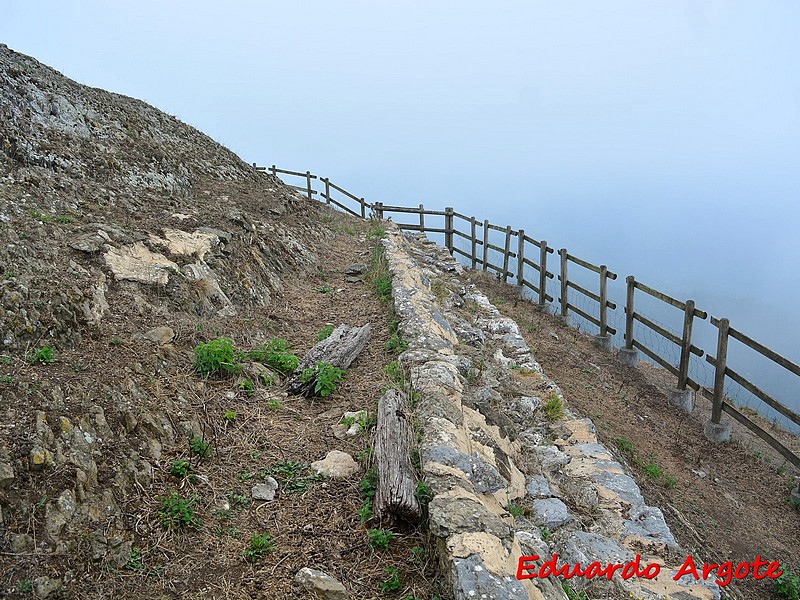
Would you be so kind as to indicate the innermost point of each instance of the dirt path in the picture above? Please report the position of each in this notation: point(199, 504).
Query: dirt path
point(723, 502)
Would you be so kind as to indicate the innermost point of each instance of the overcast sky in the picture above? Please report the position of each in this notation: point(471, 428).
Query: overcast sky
point(659, 137)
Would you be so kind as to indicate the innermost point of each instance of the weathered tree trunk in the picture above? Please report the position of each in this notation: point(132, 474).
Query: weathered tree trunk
point(395, 499)
point(339, 349)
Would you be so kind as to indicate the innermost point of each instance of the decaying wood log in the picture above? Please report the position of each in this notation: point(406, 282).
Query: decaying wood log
point(395, 499)
point(339, 349)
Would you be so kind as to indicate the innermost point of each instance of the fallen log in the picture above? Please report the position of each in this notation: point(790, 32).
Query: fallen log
point(395, 503)
point(339, 349)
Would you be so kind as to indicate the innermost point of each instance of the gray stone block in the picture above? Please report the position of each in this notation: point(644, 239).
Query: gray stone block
point(550, 513)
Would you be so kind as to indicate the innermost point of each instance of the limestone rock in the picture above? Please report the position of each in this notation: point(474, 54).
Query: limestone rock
point(45, 586)
point(336, 464)
point(550, 513)
point(6, 475)
point(538, 487)
point(137, 263)
point(471, 579)
point(356, 269)
point(321, 585)
point(265, 491)
point(158, 335)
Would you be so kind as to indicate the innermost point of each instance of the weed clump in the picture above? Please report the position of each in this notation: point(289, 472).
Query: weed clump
point(43, 355)
point(216, 357)
point(275, 354)
point(176, 511)
point(259, 546)
point(324, 377)
point(554, 408)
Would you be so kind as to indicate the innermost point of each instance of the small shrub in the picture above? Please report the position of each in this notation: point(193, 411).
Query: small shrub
point(787, 585)
point(392, 581)
point(383, 287)
point(275, 354)
point(423, 493)
point(395, 373)
point(200, 447)
point(395, 344)
point(516, 510)
point(625, 445)
point(259, 546)
point(134, 560)
point(25, 586)
point(324, 289)
point(380, 538)
point(324, 377)
point(376, 233)
point(325, 333)
point(273, 404)
point(6, 379)
point(554, 408)
point(42, 355)
point(179, 468)
point(176, 511)
point(230, 415)
point(64, 219)
point(670, 482)
point(652, 470)
point(247, 386)
point(216, 357)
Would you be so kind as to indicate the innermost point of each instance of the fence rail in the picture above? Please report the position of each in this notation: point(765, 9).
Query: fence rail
point(526, 251)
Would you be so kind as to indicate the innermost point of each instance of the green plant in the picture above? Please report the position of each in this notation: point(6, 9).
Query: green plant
point(625, 445)
point(266, 379)
point(787, 585)
point(554, 408)
point(392, 581)
point(276, 355)
point(293, 477)
point(247, 386)
point(516, 510)
point(259, 546)
point(42, 355)
point(380, 538)
point(651, 469)
point(230, 415)
point(25, 586)
point(6, 360)
point(64, 219)
point(395, 373)
point(273, 404)
point(237, 499)
point(40, 216)
point(324, 376)
point(6, 379)
point(670, 482)
point(545, 532)
point(325, 333)
point(325, 289)
point(572, 594)
point(418, 554)
point(179, 468)
point(176, 511)
point(423, 492)
point(395, 344)
point(134, 560)
point(116, 342)
point(216, 357)
point(376, 233)
point(200, 447)
point(383, 287)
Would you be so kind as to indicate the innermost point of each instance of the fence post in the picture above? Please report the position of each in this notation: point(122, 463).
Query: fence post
point(603, 340)
point(327, 181)
point(448, 228)
point(274, 170)
point(716, 429)
point(364, 209)
point(681, 397)
point(485, 243)
point(564, 284)
point(377, 209)
point(629, 355)
point(521, 259)
point(542, 275)
point(506, 253)
point(474, 241)
point(308, 183)
point(421, 218)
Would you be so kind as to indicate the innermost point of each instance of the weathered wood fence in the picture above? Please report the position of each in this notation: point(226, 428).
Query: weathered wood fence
point(518, 251)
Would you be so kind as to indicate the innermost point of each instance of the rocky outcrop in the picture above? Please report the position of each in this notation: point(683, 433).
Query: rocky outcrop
point(508, 479)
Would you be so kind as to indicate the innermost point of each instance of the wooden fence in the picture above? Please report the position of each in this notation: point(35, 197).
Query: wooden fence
point(518, 251)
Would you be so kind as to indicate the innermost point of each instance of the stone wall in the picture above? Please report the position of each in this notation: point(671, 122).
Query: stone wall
point(506, 479)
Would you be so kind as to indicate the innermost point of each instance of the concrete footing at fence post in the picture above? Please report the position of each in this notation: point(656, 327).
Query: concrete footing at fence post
point(542, 307)
point(629, 356)
point(603, 342)
point(717, 432)
point(681, 399)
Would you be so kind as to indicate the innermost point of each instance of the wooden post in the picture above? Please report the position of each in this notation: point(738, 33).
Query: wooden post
point(485, 243)
point(274, 170)
point(364, 209)
point(308, 183)
point(629, 312)
point(719, 370)
point(327, 181)
point(686, 344)
point(542, 273)
point(377, 208)
point(506, 253)
point(603, 299)
point(474, 242)
point(421, 218)
point(564, 281)
point(448, 228)
point(520, 257)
